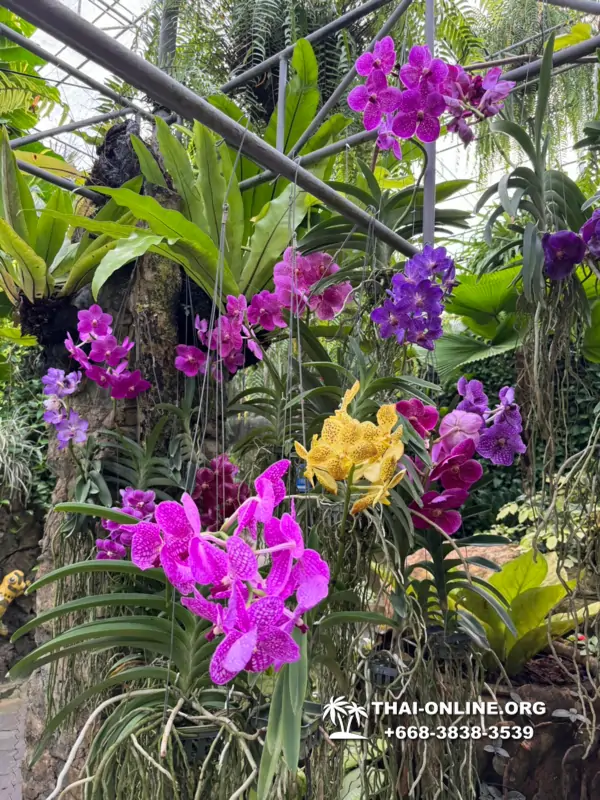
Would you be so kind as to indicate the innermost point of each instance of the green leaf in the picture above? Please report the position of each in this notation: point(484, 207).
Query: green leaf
point(298, 675)
point(269, 762)
point(533, 262)
point(527, 571)
point(591, 337)
point(89, 510)
point(14, 335)
point(359, 617)
point(148, 165)
point(517, 133)
point(125, 251)
point(483, 299)
point(530, 608)
point(11, 208)
point(51, 232)
point(177, 164)
point(543, 94)
point(31, 273)
point(483, 613)
point(194, 245)
point(235, 216)
point(455, 350)
point(270, 238)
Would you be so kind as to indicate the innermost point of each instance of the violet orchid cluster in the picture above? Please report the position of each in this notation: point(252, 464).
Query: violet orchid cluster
point(294, 278)
point(135, 502)
point(564, 250)
point(430, 87)
point(472, 428)
point(249, 587)
point(217, 492)
point(413, 312)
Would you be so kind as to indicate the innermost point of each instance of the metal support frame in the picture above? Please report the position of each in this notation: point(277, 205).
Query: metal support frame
point(34, 48)
point(71, 126)
point(54, 18)
point(327, 30)
point(567, 56)
point(586, 6)
point(429, 180)
point(535, 36)
point(63, 183)
point(280, 135)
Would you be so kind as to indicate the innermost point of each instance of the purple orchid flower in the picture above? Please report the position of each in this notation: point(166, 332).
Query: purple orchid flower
point(500, 444)
point(225, 338)
point(73, 428)
point(375, 98)
point(496, 91)
point(590, 233)
point(475, 399)
point(270, 490)
point(382, 58)
point(55, 410)
point(458, 470)
point(387, 140)
point(57, 383)
point(236, 310)
point(331, 301)
point(455, 427)
point(99, 375)
point(76, 352)
point(422, 70)
point(109, 549)
point(419, 115)
point(265, 310)
point(127, 385)
point(562, 252)
point(389, 317)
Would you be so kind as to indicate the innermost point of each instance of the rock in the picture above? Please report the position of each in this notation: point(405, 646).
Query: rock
point(500, 554)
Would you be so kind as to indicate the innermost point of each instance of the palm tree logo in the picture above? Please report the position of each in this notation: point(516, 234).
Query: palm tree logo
point(339, 709)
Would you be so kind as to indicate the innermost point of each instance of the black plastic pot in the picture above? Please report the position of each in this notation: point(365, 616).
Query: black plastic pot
point(310, 735)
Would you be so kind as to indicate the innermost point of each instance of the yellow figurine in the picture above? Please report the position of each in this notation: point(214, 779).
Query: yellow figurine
point(13, 585)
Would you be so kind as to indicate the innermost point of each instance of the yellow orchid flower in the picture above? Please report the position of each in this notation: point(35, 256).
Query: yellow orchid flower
point(364, 449)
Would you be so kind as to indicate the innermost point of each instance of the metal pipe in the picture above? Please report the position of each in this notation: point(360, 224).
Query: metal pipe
point(76, 73)
point(429, 180)
point(56, 19)
point(63, 183)
point(498, 62)
point(347, 80)
point(312, 158)
point(535, 36)
point(566, 56)
point(587, 6)
point(332, 27)
point(280, 136)
point(167, 37)
point(72, 126)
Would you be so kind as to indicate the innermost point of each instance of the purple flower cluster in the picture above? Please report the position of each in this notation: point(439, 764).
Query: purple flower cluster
point(590, 233)
point(136, 503)
point(294, 278)
point(217, 492)
point(70, 427)
point(431, 87)
point(471, 428)
point(249, 610)
point(413, 312)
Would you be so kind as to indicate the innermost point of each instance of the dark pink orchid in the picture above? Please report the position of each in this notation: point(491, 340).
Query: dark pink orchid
point(439, 509)
point(382, 58)
point(458, 470)
point(270, 490)
point(418, 114)
point(93, 322)
point(423, 418)
point(332, 300)
point(422, 70)
point(375, 98)
point(265, 310)
point(190, 360)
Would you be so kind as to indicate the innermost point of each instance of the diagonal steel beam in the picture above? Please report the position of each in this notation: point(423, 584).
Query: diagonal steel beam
point(327, 30)
point(71, 126)
point(63, 183)
point(76, 73)
point(587, 6)
point(54, 18)
point(566, 56)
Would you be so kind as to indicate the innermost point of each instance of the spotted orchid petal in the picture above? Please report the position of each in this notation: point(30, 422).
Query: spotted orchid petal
point(208, 563)
point(242, 561)
point(275, 645)
point(201, 607)
point(176, 571)
point(219, 673)
point(265, 613)
point(146, 544)
point(192, 514)
point(279, 575)
point(236, 616)
point(240, 651)
point(172, 519)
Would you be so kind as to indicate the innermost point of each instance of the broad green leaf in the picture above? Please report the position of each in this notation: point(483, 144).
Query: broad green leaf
point(580, 32)
point(30, 214)
point(51, 164)
point(30, 271)
point(530, 608)
point(89, 510)
point(298, 675)
point(51, 232)
point(235, 215)
point(533, 262)
point(81, 271)
point(194, 244)
point(483, 299)
point(455, 350)
point(527, 571)
point(14, 335)
point(177, 164)
point(270, 238)
point(11, 209)
point(358, 617)
point(126, 250)
point(148, 165)
point(517, 133)
point(270, 758)
point(591, 337)
point(543, 94)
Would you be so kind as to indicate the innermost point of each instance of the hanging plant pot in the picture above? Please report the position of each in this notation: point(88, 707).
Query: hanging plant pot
point(382, 670)
point(312, 718)
point(197, 741)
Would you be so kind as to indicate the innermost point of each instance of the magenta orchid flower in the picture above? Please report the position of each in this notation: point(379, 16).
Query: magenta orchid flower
point(422, 70)
point(423, 418)
point(440, 509)
point(265, 310)
point(459, 470)
point(387, 140)
point(329, 304)
point(128, 385)
point(456, 427)
point(270, 490)
point(382, 58)
point(375, 98)
point(190, 360)
point(418, 115)
point(93, 322)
